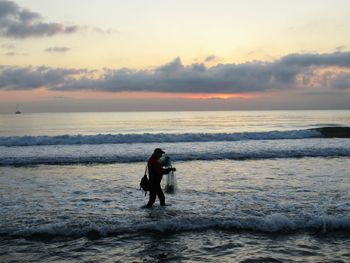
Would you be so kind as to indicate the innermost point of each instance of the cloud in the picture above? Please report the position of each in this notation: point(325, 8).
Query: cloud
point(8, 46)
point(289, 72)
point(57, 49)
point(294, 71)
point(342, 81)
point(28, 78)
point(18, 22)
point(340, 59)
point(340, 48)
point(211, 58)
point(107, 31)
point(12, 54)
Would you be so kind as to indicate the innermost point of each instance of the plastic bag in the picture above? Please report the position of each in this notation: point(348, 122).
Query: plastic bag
point(171, 183)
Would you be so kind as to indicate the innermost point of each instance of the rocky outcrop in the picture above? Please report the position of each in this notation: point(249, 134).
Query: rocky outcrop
point(335, 132)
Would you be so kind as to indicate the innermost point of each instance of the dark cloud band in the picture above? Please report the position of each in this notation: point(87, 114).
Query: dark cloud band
point(290, 72)
point(28, 78)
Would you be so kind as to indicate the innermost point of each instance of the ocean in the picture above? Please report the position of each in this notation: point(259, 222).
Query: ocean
point(253, 186)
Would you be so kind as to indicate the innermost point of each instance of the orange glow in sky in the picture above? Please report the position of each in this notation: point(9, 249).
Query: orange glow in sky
point(223, 96)
point(44, 94)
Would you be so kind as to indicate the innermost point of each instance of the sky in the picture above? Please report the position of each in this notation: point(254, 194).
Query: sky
point(138, 55)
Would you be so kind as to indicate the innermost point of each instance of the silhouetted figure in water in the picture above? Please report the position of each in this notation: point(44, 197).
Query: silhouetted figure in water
point(155, 173)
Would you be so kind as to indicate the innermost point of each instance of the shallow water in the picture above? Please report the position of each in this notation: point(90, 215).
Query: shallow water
point(252, 187)
point(208, 246)
point(281, 209)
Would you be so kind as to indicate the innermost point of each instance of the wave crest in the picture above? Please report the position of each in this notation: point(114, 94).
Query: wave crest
point(204, 156)
point(154, 138)
point(327, 132)
point(275, 223)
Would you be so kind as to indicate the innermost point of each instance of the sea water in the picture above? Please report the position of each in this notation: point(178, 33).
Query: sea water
point(263, 186)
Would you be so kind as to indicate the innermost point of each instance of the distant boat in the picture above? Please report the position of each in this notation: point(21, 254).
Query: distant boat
point(18, 111)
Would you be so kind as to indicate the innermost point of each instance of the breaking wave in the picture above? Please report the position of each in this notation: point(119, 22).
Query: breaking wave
point(327, 132)
point(205, 156)
point(275, 223)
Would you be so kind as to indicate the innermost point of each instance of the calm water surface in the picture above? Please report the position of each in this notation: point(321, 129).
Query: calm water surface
point(170, 122)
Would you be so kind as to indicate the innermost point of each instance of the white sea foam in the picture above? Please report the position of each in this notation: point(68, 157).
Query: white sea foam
point(78, 156)
point(274, 223)
point(154, 138)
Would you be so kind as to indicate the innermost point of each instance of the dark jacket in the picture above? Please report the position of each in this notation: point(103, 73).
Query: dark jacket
point(156, 170)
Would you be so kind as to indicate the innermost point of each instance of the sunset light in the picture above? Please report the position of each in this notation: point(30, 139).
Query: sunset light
point(175, 131)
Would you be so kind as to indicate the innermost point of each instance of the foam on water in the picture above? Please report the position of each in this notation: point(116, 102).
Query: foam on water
point(236, 184)
point(154, 138)
point(274, 223)
point(327, 132)
point(131, 153)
